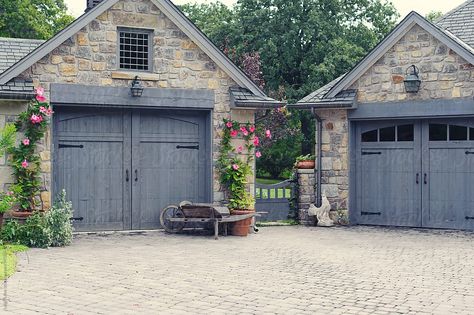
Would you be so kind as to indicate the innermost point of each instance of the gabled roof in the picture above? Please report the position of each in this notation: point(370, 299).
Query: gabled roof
point(14, 49)
point(241, 97)
point(460, 22)
point(413, 18)
point(170, 10)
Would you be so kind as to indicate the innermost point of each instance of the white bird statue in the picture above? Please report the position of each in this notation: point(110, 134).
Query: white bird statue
point(322, 213)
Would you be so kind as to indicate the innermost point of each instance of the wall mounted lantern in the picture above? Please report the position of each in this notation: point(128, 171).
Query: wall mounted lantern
point(412, 80)
point(137, 87)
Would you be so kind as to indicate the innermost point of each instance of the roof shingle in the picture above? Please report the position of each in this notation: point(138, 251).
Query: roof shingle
point(14, 49)
point(460, 22)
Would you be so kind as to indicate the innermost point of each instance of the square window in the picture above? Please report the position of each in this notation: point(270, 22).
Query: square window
point(134, 50)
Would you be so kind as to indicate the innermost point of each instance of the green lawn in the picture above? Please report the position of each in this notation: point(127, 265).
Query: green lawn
point(11, 259)
point(279, 193)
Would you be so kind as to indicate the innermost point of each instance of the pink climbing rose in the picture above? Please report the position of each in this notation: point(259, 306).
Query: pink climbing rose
point(40, 94)
point(252, 129)
point(26, 141)
point(244, 131)
point(229, 124)
point(36, 119)
point(234, 133)
point(256, 141)
point(235, 167)
point(258, 154)
point(240, 149)
point(24, 164)
point(268, 134)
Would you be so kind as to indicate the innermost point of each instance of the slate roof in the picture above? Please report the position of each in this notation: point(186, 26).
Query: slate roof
point(460, 22)
point(13, 50)
point(242, 97)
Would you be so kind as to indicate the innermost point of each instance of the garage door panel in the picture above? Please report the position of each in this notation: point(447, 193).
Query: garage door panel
point(450, 193)
point(92, 177)
point(388, 187)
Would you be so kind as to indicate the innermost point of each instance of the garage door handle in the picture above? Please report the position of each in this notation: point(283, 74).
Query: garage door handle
point(136, 175)
point(61, 146)
point(371, 153)
point(417, 178)
point(426, 179)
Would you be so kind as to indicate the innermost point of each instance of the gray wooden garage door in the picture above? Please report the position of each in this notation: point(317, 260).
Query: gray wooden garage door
point(121, 167)
point(416, 173)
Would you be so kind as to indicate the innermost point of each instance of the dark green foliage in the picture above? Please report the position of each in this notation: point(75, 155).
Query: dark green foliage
point(280, 156)
point(433, 16)
point(38, 19)
point(58, 219)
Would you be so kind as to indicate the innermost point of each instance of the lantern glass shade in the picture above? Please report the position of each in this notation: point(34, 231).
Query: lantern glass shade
point(412, 80)
point(137, 88)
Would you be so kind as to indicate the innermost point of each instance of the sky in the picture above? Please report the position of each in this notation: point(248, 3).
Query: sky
point(76, 7)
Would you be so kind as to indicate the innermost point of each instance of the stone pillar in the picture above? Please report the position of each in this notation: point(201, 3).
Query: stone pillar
point(306, 195)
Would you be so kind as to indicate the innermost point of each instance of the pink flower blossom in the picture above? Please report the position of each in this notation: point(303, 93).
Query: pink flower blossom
point(252, 129)
point(258, 154)
point(26, 141)
point(49, 112)
point(36, 119)
point(40, 99)
point(39, 91)
point(240, 149)
point(235, 167)
point(244, 131)
point(229, 124)
point(256, 141)
point(24, 164)
point(43, 109)
point(9, 193)
point(268, 134)
point(234, 133)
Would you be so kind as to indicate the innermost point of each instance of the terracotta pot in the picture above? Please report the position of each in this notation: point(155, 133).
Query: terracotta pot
point(241, 228)
point(306, 165)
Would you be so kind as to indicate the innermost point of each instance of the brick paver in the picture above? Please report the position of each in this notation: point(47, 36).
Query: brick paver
point(282, 270)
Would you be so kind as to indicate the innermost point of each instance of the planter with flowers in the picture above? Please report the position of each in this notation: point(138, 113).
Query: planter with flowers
point(24, 159)
point(235, 167)
point(305, 162)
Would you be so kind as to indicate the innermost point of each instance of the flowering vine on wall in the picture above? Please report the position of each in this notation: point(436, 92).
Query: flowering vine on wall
point(236, 167)
point(25, 160)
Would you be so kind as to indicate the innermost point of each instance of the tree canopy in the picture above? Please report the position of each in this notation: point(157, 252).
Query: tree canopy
point(36, 19)
point(301, 45)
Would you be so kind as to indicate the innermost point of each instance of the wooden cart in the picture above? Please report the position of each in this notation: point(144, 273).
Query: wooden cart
point(174, 218)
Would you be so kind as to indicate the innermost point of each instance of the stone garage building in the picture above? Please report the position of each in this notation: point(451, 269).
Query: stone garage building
point(397, 158)
point(123, 158)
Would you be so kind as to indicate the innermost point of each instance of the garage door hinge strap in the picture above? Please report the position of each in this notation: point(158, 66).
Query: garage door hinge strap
point(469, 152)
point(371, 153)
point(70, 146)
point(469, 218)
point(191, 147)
point(371, 213)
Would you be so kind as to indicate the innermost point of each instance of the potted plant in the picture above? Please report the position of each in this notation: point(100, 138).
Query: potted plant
point(305, 162)
point(235, 167)
point(24, 157)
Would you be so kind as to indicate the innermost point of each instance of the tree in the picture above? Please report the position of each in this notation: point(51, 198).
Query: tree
point(434, 16)
point(37, 19)
point(302, 44)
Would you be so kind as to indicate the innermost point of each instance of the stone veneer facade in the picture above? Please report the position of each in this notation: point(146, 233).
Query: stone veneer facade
point(90, 58)
point(444, 75)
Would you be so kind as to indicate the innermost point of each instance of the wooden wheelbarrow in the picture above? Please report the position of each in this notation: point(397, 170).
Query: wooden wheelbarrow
point(174, 218)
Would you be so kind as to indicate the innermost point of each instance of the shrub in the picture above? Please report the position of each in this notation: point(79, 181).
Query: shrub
point(58, 219)
point(54, 228)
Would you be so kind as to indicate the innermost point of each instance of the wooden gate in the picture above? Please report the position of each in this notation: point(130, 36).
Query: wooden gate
point(275, 199)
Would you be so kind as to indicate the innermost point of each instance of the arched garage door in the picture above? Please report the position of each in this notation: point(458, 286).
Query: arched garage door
point(415, 173)
point(121, 167)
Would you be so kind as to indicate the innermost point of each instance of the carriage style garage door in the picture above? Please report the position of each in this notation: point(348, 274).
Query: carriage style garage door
point(120, 167)
point(416, 173)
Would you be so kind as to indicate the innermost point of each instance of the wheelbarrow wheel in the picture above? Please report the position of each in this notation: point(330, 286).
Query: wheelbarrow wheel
point(172, 212)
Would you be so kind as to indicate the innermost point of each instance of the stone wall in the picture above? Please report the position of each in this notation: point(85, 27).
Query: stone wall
point(90, 58)
point(306, 195)
point(444, 74)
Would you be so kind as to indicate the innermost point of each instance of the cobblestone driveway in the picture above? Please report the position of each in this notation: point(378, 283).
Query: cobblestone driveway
point(287, 270)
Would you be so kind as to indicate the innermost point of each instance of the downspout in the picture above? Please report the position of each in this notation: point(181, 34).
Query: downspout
point(319, 155)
